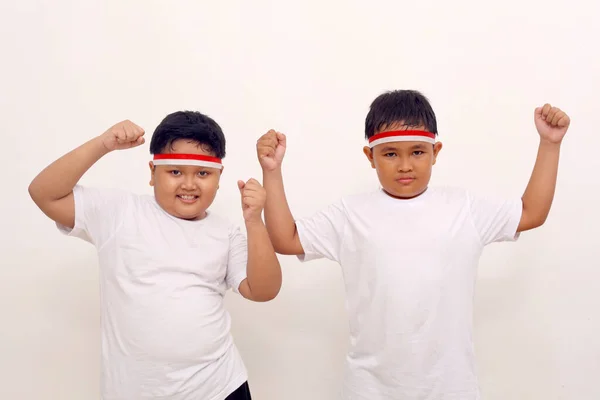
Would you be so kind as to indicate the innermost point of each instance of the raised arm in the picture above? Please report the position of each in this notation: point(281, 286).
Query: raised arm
point(52, 189)
point(278, 217)
point(263, 272)
point(552, 125)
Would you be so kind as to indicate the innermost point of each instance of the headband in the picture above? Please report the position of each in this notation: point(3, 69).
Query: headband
point(187, 159)
point(401, 136)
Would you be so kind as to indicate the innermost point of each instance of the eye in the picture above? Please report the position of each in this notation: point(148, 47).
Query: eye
point(418, 152)
point(389, 154)
point(175, 172)
point(203, 173)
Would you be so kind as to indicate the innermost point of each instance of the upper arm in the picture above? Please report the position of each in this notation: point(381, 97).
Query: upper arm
point(528, 221)
point(61, 211)
point(237, 260)
point(91, 214)
point(322, 234)
point(496, 219)
point(244, 289)
point(293, 247)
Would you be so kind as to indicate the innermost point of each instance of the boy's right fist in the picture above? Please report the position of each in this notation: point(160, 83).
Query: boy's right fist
point(123, 135)
point(271, 149)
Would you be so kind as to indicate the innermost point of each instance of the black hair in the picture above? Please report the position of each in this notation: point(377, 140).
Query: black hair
point(188, 125)
point(407, 106)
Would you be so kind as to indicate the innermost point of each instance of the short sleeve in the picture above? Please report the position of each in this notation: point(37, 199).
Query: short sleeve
point(496, 219)
point(237, 259)
point(321, 235)
point(98, 214)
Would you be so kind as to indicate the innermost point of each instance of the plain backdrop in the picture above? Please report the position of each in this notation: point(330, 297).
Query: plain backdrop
point(71, 69)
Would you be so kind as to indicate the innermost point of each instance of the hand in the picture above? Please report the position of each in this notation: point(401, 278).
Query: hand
point(551, 123)
point(271, 149)
point(254, 197)
point(123, 135)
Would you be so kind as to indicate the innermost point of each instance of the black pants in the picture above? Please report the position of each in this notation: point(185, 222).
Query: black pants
point(241, 393)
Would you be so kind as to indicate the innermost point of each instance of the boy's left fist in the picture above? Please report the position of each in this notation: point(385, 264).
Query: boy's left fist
point(551, 123)
point(254, 197)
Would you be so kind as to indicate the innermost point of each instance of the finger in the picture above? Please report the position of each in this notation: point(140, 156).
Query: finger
point(272, 133)
point(250, 188)
point(131, 132)
point(266, 151)
point(557, 115)
point(252, 201)
point(563, 121)
point(241, 185)
point(545, 110)
point(121, 135)
point(268, 141)
point(282, 139)
point(551, 115)
point(138, 129)
point(538, 112)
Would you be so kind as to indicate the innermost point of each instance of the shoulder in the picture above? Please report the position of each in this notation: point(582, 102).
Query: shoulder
point(101, 197)
point(449, 194)
point(219, 223)
point(358, 200)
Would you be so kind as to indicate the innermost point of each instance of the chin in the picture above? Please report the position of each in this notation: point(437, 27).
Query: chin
point(404, 194)
point(191, 216)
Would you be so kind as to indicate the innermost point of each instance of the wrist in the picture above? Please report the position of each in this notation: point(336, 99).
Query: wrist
point(275, 172)
point(252, 222)
point(550, 145)
point(99, 146)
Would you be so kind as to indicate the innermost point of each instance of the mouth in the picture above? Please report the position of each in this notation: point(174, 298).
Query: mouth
point(405, 180)
point(187, 198)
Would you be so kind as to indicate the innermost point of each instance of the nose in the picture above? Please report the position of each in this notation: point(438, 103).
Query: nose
point(189, 183)
point(404, 164)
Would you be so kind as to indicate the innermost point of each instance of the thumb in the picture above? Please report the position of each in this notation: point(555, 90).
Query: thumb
point(281, 139)
point(538, 112)
point(241, 185)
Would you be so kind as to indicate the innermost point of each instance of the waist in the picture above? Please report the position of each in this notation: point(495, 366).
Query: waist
point(167, 328)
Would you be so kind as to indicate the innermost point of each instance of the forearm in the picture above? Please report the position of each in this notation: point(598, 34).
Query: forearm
point(278, 217)
point(59, 178)
point(539, 194)
point(263, 270)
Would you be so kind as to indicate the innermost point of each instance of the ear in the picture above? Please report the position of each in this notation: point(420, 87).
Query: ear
point(220, 175)
point(369, 153)
point(152, 170)
point(436, 149)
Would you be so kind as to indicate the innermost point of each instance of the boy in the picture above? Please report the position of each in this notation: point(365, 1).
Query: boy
point(166, 260)
point(409, 252)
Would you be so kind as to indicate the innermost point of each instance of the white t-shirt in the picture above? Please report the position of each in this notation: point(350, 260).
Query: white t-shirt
point(409, 269)
point(165, 331)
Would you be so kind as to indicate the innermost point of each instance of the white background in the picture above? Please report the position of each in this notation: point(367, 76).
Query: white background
point(71, 69)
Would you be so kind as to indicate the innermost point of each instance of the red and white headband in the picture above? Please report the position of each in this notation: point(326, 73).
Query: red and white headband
point(401, 136)
point(188, 159)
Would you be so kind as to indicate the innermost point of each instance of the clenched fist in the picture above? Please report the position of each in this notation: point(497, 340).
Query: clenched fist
point(254, 197)
point(123, 135)
point(551, 123)
point(271, 149)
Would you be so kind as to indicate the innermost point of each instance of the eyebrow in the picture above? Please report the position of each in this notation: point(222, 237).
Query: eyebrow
point(414, 147)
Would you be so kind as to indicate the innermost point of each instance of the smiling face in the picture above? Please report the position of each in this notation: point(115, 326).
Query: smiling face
point(185, 191)
point(403, 167)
